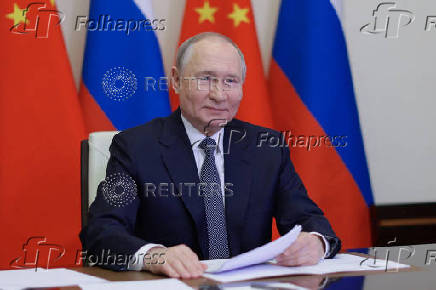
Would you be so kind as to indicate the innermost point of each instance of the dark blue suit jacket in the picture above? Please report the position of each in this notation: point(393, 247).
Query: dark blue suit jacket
point(261, 180)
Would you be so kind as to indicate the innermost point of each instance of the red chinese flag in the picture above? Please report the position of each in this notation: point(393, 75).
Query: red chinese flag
point(40, 132)
point(234, 19)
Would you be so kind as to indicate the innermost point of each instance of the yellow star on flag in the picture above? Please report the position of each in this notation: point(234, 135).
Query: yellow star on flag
point(206, 12)
point(19, 15)
point(239, 15)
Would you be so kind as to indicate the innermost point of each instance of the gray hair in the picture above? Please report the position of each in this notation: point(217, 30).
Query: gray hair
point(186, 46)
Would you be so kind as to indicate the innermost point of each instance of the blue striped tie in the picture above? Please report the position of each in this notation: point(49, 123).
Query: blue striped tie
point(213, 201)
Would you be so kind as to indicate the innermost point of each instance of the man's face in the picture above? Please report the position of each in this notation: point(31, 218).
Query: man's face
point(210, 85)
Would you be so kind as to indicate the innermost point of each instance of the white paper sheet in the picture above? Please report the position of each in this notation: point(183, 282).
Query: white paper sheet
point(341, 263)
point(256, 256)
point(18, 279)
point(164, 284)
point(260, 285)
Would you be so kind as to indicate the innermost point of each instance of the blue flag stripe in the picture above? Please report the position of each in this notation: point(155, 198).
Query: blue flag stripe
point(116, 64)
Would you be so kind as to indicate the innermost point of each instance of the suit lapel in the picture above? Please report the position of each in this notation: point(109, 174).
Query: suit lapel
point(180, 162)
point(237, 172)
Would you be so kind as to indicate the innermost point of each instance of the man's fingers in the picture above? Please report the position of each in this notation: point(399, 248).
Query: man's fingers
point(164, 269)
point(295, 247)
point(196, 261)
point(204, 266)
point(305, 242)
point(305, 252)
point(190, 260)
point(191, 263)
point(180, 262)
point(306, 256)
point(297, 260)
point(169, 271)
point(178, 266)
point(294, 258)
point(292, 252)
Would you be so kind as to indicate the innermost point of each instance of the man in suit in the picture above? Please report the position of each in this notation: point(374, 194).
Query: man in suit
point(200, 184)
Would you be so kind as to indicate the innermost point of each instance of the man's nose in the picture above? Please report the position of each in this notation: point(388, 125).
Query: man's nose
point(216, 91)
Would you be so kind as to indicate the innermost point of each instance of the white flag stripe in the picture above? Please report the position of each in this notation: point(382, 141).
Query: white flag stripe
point(146, 7)
point(337, 4)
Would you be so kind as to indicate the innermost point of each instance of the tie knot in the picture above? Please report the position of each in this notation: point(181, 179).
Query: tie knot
point(208, 145)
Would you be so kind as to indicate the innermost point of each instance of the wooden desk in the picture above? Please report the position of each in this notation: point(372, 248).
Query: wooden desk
point(421, 275)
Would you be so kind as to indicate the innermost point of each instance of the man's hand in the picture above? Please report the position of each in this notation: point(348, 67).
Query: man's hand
point(308, 249)
point(176, 262)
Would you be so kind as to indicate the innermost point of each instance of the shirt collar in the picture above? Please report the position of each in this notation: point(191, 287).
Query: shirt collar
point(195, 136)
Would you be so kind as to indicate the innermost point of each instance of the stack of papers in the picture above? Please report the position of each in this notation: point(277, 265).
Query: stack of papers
point(256, 256)
point(341, 263)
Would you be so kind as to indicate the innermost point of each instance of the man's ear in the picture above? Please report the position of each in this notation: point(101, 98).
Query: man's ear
point(175, 79)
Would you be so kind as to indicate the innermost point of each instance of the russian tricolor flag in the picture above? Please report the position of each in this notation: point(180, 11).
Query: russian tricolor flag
point(123, 81)
point(313, 100)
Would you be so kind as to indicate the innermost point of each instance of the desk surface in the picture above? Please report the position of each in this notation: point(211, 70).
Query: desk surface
point(421, 276)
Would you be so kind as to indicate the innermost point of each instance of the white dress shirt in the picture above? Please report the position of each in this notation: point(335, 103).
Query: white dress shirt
point(195, 138)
